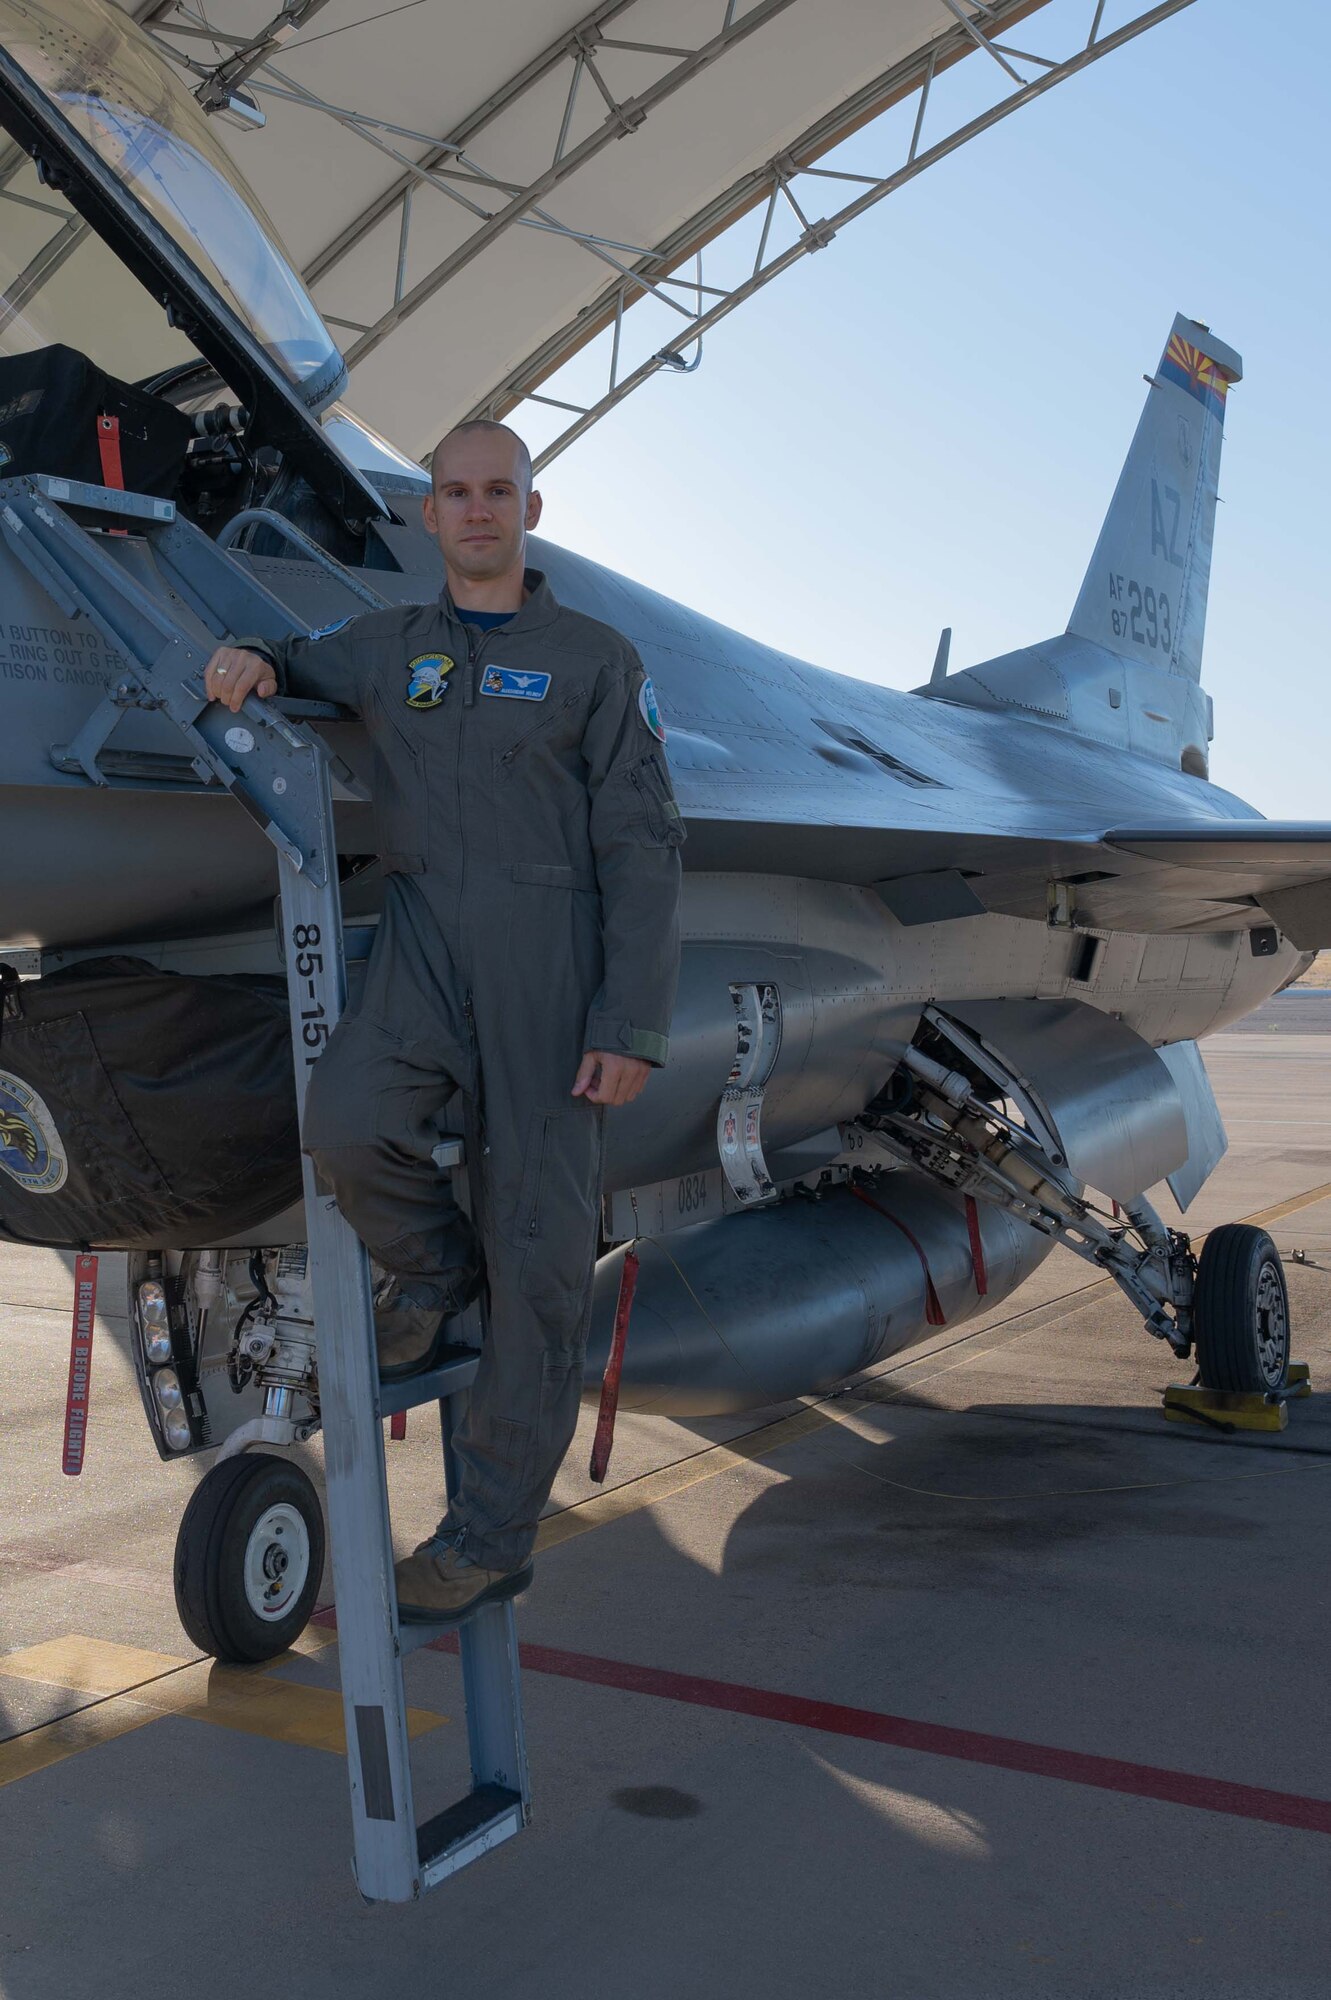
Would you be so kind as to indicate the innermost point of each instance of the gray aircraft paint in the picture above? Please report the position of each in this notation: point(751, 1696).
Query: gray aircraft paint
point(1127, 670)
point(863, 849)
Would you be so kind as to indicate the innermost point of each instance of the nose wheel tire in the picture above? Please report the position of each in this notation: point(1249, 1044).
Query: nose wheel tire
point(1241, 1312)
point(249, 1557)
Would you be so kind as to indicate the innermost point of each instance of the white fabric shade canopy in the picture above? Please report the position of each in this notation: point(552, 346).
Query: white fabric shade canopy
point(438, 170)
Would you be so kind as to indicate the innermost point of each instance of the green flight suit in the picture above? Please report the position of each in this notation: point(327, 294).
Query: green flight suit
point(529, 836)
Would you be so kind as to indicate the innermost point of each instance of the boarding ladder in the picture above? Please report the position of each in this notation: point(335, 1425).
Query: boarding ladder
point(167, 595)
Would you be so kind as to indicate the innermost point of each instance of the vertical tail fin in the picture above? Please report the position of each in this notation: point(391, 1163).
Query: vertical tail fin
point(1144, 596)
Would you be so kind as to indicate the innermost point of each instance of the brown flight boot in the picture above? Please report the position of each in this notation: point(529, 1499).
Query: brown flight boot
point(436, 1585)
point(410, 1338)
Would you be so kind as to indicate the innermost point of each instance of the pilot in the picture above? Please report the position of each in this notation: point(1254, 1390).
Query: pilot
point(527, 956)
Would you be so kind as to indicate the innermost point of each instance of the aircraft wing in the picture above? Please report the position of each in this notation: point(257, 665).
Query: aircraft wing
point(1284, 866)
point(1233, 875)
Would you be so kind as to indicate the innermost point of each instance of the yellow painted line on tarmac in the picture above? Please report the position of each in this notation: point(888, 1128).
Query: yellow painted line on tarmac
point(88, 1666)
point(135, 1687)
point(1265, 1216)
point(653, 1487)
point(37, 1749)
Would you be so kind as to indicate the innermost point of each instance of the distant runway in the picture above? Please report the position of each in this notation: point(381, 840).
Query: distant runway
point(1303, 1010)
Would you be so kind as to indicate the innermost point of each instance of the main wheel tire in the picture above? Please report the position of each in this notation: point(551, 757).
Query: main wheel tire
point(249, 1557)
point(1241, 1312)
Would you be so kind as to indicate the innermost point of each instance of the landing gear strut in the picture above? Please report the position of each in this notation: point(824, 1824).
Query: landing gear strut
point(249, 1557)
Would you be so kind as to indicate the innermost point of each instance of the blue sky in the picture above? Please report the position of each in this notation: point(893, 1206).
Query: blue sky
point(922, 425)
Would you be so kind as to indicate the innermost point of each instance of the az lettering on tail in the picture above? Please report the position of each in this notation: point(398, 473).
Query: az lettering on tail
point(1166, 544)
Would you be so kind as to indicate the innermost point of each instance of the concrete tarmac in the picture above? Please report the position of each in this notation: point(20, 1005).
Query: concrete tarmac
point(976, 1680)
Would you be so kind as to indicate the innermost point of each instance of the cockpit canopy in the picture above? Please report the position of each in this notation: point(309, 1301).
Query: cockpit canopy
point(129, 236)
point(114, 91)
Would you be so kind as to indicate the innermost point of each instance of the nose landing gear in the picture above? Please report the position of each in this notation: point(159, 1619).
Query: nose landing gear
point(249, 1557)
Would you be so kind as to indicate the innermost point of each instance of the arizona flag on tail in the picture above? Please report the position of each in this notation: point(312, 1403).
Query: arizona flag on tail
point(1203, 375)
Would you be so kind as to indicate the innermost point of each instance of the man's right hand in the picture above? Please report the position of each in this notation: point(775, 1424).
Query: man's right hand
point(231, 674)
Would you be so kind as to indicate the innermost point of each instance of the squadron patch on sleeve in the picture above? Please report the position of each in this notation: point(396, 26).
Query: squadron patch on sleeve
point(648, 709)
point(327, 631)
point(427, 679)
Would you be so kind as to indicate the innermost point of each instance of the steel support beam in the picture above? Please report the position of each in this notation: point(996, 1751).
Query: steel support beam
point(769, 186)
point(475, 123)
point(621, 117)
point(57, 250)
point(517, 204)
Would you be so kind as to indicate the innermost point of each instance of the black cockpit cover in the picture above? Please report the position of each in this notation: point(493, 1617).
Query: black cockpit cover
point(50, 402)
point(142, 1109)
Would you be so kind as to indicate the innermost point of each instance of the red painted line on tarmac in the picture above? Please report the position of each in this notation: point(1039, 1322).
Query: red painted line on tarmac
point(935, 1739)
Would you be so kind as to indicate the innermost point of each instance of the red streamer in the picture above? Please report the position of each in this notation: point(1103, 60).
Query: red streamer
point(933, 1308)
point(977, 1247)
point(80, 1365)
point(614, 1368)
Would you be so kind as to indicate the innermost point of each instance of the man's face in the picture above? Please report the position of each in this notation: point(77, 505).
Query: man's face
point(480, 510)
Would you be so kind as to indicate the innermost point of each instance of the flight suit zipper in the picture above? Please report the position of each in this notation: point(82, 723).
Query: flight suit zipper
point(474, 642)
point(473, 639)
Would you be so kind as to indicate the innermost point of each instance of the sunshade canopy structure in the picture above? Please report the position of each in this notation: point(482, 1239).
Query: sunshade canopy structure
point(472, 193)
point(538, 201)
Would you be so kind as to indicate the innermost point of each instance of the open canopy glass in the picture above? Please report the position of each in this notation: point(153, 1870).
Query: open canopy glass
point(110, 86)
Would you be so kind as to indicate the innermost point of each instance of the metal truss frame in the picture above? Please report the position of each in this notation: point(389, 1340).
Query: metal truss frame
point(771, 187)
point(68, 232)
point(445, 167)
point(786, 186)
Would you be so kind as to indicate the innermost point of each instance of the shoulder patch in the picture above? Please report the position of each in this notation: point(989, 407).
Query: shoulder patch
point(327, 631)
point(649, 710)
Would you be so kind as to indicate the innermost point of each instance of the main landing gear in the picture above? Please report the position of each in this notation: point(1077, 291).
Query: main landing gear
point(1240, 1312)
point(1228, 1307)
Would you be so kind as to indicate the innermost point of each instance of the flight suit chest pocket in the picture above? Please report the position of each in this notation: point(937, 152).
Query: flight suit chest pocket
point(398, 787)
point(519, 735)
point(657, 815)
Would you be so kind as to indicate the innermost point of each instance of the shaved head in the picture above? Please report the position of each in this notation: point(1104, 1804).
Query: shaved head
point(479, 508)
point(482, 427)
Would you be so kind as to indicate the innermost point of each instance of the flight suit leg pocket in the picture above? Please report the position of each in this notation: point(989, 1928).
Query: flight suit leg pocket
point(556, 1218)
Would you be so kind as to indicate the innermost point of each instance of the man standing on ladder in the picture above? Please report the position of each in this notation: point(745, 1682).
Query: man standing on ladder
point(527, 956)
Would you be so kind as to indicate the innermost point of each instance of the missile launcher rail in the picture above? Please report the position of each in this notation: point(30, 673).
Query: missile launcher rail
point(280, 774)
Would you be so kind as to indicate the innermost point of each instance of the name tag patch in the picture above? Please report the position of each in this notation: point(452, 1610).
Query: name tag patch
point(516, 686)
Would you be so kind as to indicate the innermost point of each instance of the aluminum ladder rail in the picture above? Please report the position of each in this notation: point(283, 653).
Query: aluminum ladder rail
point(279, 773)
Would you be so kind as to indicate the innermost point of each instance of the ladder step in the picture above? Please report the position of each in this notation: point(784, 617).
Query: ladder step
point(410, 1637)
point(104, 499)
point(456, 1371)
point(463, 1832)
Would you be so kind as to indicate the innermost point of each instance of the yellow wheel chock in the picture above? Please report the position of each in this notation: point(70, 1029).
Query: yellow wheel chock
point(1224, 1410)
